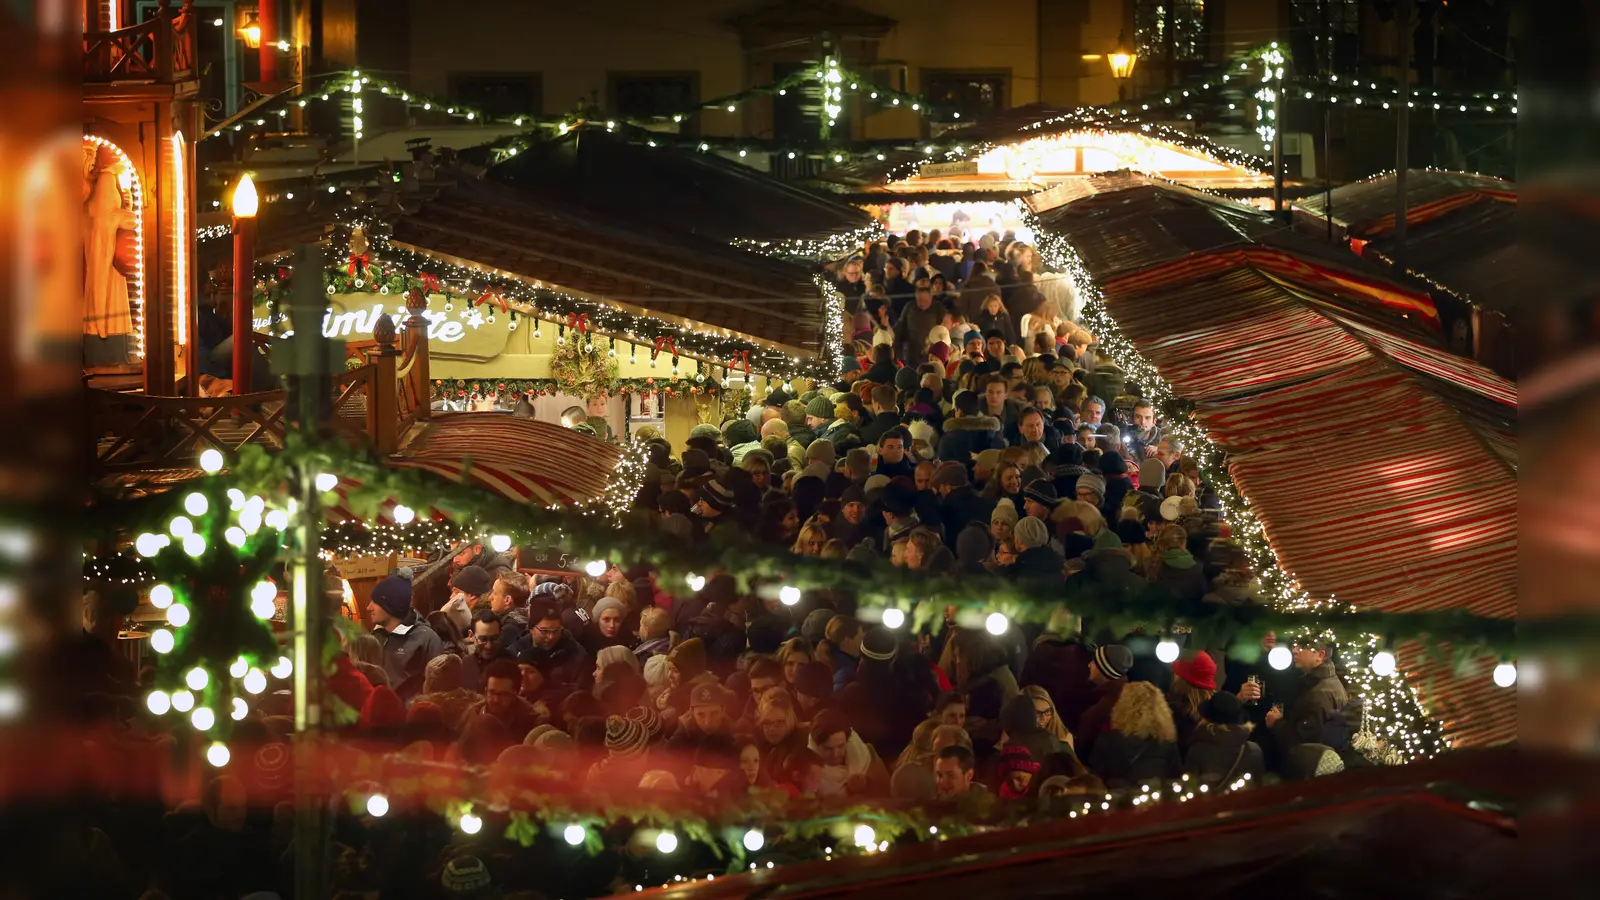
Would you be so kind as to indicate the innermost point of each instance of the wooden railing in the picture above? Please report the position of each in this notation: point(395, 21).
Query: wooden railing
point(160, 50)
point(374, 403)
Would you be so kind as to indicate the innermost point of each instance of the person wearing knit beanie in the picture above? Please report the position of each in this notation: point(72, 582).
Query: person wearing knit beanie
point(739, 431)
point(906, 379)
point(1111, 662)
point(625, 738)
point(1152, 476)
point(706, 430)
point(465, 876)
point(819, 412)
point(1031, 532)
point(973, 546)
point(1107, 540)
point(689, 658)
point(821, 451)
point(950, 474)
point(383, 709)
point(1092, 484)
point(1004, 511)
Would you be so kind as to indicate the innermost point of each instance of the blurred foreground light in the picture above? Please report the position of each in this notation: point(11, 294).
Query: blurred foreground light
point(217, 754)
point(377, 806)
point(666, 842)
point(1505, 674)
point(894, 618)
point(574, 834)
point(211, 460)
point(1280, 658)
point(1383, 664)
point(995, 624)
point(789, 595)
point(158, 702)
point(1167, 651)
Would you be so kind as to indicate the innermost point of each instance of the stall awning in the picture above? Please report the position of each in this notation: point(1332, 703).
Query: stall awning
point(524, 460)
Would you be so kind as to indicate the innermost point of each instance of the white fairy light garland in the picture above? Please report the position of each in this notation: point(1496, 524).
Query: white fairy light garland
point(1403, 731)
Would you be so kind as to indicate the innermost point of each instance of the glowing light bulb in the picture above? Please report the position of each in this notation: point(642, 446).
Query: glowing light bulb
point(202, 718)
point(326, 482)
point(596, 567)
point(194, 545)
point(263, 599)
point(180, 527)
point(211, 461)
point(1280, 658)
point(1167, 651)
point(254, 681)
point(197, 679)
point(754, 840)
point(574, 834)
point(148, 544)
point(1505, 675)
point(894, 618)
point(158, 702)
point(470, 824)
point(865, 836)
point(240, 709)
point(789, 595)
point(377, 806)
point(666, 842)
point(217, 754)
point(500, 542)
point(996, 623)
point(277, 520)
point(283, 668)
point(162, 641)
point(234, 536)
point(696, 582)
point(403, 515)
point(1383, 663)
point(238, 668)
point(182, 701)
point(178, 615)
point(196, 504)
point(161, 596)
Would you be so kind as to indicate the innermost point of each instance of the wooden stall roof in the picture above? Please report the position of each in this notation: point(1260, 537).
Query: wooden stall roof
point(660, 271)
point(1382, 466)
point(620, 176)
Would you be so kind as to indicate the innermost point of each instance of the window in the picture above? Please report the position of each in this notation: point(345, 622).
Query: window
point(796, 115)
point(500, 93)
point(1175, 25)
point(975, 96)
point(641, 95)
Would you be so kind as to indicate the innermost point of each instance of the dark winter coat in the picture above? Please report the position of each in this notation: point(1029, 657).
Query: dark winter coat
point(960, 507)
point(973, 293)
point(1121, 761)
point(1321, 698)
point(967, 436)
point(1097, 718)
point(1107, 572)
point(1022, 729)
point(565, 665)
point(880, 424)
point(406, 651)
point(1001, 322)
point(911, 331)
point(1037, 563)
point(1061, 666)
point(1181, 573)
point(1223, 753)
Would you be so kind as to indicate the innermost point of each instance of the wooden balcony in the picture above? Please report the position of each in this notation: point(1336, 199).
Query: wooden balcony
point(160, 50)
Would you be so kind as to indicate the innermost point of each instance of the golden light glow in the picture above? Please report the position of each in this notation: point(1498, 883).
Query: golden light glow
point(245, 201)
point(128, 179)
point(1090, 152)
point(251, 31)
point(1122, 62)
point(180, 240)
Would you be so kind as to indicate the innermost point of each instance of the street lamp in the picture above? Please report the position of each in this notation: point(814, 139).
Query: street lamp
point(250, 31)
point(1122, 61)
point(245, 204)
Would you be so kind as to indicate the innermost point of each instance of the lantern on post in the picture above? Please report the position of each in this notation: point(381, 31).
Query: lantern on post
point(245, 205)
point(1122, 60)
point(250, 31)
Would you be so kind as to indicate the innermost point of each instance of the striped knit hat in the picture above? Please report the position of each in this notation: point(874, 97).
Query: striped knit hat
point(648, 718)
point(625, 737)
point(1114, 660)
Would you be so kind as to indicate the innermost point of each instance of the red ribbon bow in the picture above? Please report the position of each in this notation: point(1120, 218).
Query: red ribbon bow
point(744, 357)
point(492, 297)
point(664, 342)
point(430, 283)
point(579, 321)
point(359, 261)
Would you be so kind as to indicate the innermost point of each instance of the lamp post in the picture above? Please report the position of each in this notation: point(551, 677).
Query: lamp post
point(1122, 61)
point(245, 204)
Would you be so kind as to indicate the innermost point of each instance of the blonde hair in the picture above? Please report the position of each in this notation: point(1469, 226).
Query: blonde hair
point(1033, 370)
point(1056, 728)
point(1170, 537)
point(1188, 699)
point(920, 750)
point(840, 629)
point(1141, 712)
point(835, 549)
point(792, 647)
point(1087, 513)
point(808, 531)
point(621, 589)
point(926, 541)
point(955, 734)
point(655, 622)
point(1177, 486)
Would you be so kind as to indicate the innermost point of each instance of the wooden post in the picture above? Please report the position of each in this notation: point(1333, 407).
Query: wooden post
point(383, 401)
point(417, 338)
point(268, 16)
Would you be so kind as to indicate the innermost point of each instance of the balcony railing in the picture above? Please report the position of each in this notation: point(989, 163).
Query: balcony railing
point(160, 50)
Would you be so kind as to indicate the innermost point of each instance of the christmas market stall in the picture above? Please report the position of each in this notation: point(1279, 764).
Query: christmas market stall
point(632, 176)
point(567, 317)
point(1277, 365)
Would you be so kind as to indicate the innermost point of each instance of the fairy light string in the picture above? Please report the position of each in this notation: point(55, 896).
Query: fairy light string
point(1393, 716)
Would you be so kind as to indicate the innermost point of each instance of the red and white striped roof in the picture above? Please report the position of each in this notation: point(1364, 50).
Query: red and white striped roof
point(1382, 468)
point(521, 459)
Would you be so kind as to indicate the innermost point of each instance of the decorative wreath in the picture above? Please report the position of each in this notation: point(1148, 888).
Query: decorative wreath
point(583, 373)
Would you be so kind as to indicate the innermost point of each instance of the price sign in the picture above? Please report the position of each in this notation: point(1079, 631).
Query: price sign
point(551, 560)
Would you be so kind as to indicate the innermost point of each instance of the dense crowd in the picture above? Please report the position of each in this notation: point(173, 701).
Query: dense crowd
point(975, 430)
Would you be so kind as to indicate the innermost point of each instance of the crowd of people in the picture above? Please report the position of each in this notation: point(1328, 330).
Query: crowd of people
point(975, 431)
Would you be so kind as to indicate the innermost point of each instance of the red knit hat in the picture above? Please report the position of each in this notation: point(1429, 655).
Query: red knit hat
point(1200, 671)
point(383, 709)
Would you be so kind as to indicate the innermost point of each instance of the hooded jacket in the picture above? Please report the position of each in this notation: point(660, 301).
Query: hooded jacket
point(406, 651)
point(967, 436)
point(1022, 729)
point(1181, 573)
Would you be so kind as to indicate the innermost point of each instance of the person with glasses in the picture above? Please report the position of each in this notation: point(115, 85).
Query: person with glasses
point(486, 647)
point(553, 651)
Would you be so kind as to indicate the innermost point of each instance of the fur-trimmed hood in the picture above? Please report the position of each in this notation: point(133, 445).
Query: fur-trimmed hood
point(972, 423)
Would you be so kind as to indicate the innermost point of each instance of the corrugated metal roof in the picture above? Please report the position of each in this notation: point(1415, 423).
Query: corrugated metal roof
point(660, 270)
point(1357, 204)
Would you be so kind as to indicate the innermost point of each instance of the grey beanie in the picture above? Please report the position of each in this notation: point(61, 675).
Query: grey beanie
point(1031, 532)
